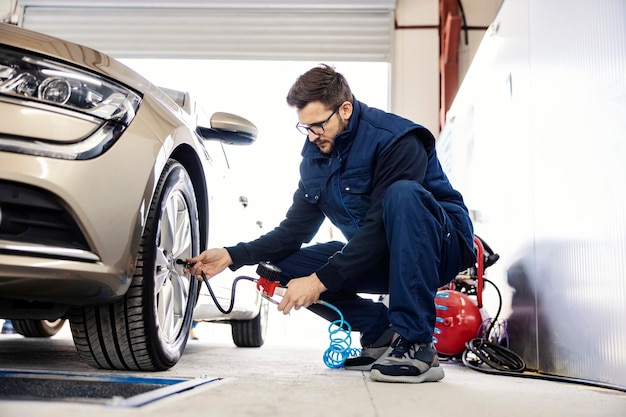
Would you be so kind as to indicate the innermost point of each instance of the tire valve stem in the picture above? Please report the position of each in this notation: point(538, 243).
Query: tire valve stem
point(184, 263)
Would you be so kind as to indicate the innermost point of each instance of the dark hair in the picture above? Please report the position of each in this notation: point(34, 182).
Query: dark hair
point(322, 84)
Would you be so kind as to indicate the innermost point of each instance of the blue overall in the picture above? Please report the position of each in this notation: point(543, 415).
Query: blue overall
point(420, 246)
point(408, 231)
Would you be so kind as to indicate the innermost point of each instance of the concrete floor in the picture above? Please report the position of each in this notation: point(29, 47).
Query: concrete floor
point(286, 377)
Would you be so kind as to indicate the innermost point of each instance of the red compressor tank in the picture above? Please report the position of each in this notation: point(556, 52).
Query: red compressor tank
point(458, 320)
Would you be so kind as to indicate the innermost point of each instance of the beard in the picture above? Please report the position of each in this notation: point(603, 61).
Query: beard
point(325, 147)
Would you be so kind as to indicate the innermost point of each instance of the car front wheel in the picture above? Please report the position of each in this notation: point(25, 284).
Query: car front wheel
point(147, 329)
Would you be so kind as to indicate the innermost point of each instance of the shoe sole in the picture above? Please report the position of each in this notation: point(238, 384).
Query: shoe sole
point(432, 375)
point(359, 367)
point(374, 355)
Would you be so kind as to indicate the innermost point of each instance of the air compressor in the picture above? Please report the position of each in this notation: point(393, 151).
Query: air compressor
point(459, 306)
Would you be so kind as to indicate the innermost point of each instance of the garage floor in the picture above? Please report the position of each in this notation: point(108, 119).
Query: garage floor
point(286, 377)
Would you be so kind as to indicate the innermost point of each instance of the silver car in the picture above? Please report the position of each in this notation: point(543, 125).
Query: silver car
point(105, 185)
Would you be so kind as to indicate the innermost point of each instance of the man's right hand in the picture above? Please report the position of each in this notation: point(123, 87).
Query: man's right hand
point(211, 262)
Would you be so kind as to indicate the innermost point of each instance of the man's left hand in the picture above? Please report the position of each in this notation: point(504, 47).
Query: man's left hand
point(301, 292)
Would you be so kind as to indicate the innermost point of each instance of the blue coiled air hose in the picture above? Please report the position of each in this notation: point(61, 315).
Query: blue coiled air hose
point(340, 340)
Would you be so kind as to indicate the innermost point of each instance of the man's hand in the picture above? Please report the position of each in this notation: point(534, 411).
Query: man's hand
point(211, 262)
point(301, 292)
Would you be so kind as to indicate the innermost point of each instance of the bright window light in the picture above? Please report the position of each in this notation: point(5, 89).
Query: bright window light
point(257, 90)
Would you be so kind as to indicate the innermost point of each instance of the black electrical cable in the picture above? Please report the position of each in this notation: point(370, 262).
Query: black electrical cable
point(495, 318)
point(526, 373)
point(496, 356)
point(503, 361)
point(464, 22)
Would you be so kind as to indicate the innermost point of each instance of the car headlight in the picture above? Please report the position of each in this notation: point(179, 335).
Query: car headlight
point(48, 82)
point(87, 113)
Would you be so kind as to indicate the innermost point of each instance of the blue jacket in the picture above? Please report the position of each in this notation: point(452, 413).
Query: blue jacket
point(375, 150)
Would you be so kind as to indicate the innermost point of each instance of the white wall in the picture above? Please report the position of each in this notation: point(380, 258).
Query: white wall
point(415, 66)
point(6, 6)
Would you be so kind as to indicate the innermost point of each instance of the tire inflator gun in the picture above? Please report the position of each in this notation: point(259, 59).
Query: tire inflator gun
point(268, 285)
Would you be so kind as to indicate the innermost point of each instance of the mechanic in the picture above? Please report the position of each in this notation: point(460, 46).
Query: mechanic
point(376, 176)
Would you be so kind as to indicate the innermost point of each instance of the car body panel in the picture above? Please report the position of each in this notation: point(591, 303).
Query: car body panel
point(42, 124)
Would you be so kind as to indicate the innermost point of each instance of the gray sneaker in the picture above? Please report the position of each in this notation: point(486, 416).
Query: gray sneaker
point(408, 362)
point(365, 360)
point(369, 354)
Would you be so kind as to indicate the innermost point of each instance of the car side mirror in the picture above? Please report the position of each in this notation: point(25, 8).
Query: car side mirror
point(229, 128)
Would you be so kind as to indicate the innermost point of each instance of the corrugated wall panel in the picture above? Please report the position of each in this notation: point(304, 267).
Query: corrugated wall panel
point(537, 138)
point(276, 34)
point(578, 72)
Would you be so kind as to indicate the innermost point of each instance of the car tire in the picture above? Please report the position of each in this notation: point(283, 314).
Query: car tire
point(147, 329)
point(37, 328)
point(251, 333)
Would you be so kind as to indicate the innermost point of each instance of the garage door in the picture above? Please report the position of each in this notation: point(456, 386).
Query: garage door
point(228, 29)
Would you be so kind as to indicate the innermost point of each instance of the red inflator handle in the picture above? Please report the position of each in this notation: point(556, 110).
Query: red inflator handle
point(269, 276)
point(267, 286)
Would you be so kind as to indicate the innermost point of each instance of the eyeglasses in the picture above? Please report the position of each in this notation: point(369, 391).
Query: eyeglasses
point(316, 128)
